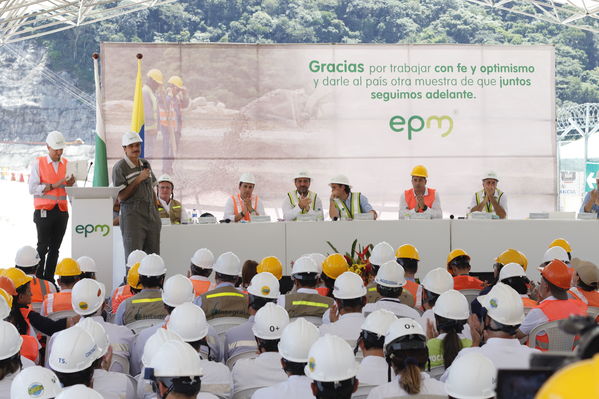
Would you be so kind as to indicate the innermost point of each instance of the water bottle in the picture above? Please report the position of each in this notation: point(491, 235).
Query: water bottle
point(194, 216)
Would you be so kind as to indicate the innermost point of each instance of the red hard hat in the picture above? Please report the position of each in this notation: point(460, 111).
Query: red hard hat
point(557, 273)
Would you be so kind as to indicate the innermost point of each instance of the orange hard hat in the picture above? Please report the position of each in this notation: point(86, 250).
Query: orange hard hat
point(7, 285)
point(557, 273)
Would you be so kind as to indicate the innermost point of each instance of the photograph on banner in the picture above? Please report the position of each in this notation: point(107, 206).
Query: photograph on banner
point(370, 112)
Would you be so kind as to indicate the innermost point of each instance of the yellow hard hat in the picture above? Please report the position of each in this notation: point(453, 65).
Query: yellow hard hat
point(578, 380)
point(407, 251)
point(156, 75)
point(17, 276)
point(271, 264)
point(560, 242)
point(512, 256)
point(334, 265)
point(419, 171)
point(68, 267)
point(133, 277)
point(7, 298)
point(177, 81)
point(455, 253)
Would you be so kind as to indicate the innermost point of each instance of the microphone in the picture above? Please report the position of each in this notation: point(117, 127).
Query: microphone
point(145, 164)
point(225, 221)
point(452, 217)
point(87, 175)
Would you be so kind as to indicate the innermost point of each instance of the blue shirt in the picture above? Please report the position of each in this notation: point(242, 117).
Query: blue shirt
point(594, 209)
point(364, 204)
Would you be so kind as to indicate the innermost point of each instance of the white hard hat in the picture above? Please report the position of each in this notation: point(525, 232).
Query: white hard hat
point(152, 265)
point(270, 321)
point(27, 256)
point(247, 178)
point(349, 285)
point(556, 253)
point(452, 305)
point(471, 376)
point(10, 340)
point(79, 391)
point(87, 296)
point(176, 359)
point(155, 342)
point(74, 349)
point(188, 320)
point(503, 304)
point(331, 359)
point(35, 382)
point(130, 138)
point(302, 175)
point(304, 264)
point(98, 333)
point(228, 263)
point(135, 257)
point(166, 178)
point(55, 140)
point(402, 327)
point(87, 264)
point(490, 175)
point(381, 253)
point(437, 281)
point(4, 308)
point(378, 322)
point(177, 289)
point(340, 179)
point(264, 285)
point(297, 339)
point(391, 274)
point(319, 260)
point(203, 258)
point(511, 270)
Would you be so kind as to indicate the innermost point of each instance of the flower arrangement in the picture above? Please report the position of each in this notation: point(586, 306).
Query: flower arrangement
point(357, 258)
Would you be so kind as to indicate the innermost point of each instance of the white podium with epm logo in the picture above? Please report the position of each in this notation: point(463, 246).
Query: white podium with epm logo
point(91, 227)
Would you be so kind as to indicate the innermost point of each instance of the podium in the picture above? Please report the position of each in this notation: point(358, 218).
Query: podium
point(91, 227)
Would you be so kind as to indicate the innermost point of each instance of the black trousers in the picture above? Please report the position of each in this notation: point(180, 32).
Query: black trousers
point(50, 231)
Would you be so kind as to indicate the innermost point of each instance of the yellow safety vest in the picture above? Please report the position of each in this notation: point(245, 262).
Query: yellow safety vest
point(480, 195)
point(355, 206)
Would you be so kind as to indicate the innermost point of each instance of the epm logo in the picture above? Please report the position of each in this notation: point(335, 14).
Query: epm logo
point(417, 123)
point(90, 229)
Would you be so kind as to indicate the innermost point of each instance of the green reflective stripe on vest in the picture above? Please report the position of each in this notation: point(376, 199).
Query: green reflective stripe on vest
point(479, 195)
point(51, 197)
point(308, 303)
point(372, 289)
point(175, 206)
point(355, 204)
point(221, 294)
point(291, 199)
point(146, 300)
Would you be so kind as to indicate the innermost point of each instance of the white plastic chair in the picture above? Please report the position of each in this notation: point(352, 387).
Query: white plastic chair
point(222, 324)
point(119, 364)
point(61, 314)
point(362, 392)
point(470, 294)
point(245, 393)
point(243, 355)
point(436, 372)
point(558, 340)
point(593, 311)
point(140, 325)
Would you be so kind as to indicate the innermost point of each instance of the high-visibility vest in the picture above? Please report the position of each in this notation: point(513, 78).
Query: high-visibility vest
point(465, 282)
point(239, 206)
point(529, 303)
point(354, 204)
point(435, 350)
point(57, 302)
point(119, 295)
point(39, 289)
point(416, 290)
point(591, 298)
point(48, 175)
point(153, 113)
point(200, 286)
point(324, 291)
point(480, 195)
point(145, 305)
point(175, 211)
point(168, 115)
point(29, 348)
point(225, 301)
point(305, 304)
point(373, 296)
point(412, 203)
point(558, 310)
point(294, 200)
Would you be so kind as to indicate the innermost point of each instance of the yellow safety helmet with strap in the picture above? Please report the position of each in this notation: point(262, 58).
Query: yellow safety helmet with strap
point(177, 81)
point(156, 75)
point(512, 256)
point(455, 253)
point(334, 265)
point(561, 242)
point(578, 380)
point(407, 251)
point(133, 277)
point(271, 264)
point(68, 267)
point(17, 276)
point(419, 171)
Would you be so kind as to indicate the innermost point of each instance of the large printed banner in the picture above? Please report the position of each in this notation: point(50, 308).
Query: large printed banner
point(370, 112)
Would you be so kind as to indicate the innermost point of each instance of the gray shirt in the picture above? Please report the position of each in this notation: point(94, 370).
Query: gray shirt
point(124, 172)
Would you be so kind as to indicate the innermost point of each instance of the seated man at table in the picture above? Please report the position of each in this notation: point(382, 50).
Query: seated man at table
point(420, 199)
point(168, 206)
point(590, 204)
point(244, 205)
point(301, 200)
point(490, 199)
point(344, 203)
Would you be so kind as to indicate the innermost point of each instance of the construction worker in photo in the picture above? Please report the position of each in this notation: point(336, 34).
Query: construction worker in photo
point(168, 207)
point(200, 270)
point(130, 288)
point(407, 354)
point(294, 346)
point(263, 289)
point(590, 203)
point(333, 266)
point(178, 97)
point(72, 357)
point(68, 272)
point(302, 201)
point(27, 259)
point(153, 98)
point(35, 382)
point(586, 278)
point(435, 283)
point(244, 205)
point(10, 357)
point(490, 199)
point(305, 301)
point(420, 199)
point(168, 122)
point(147, 304)
point(458, 265)
point(225, 300)
point(265, 370)
point(389, 284)
point(554, 304)
point(88, 267)
point(332, 367)
point(47, 181)
point(345, 204)
point(473, 376)
point(374, 367)
point(408, 257)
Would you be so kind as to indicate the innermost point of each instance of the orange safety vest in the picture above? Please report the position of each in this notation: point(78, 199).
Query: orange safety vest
point(416, 290)
point(411, 198)
point(119, 295)
point(465, 282)
point(57, 302)
point(558, 310)
point(324, 291)
point(29, 348)
point(200, 287)
point(167, 113)
point(591, 298)
point(55, 196)
point(39, 289)
point(241, 205)
point(30, 331)
point(529, 303)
